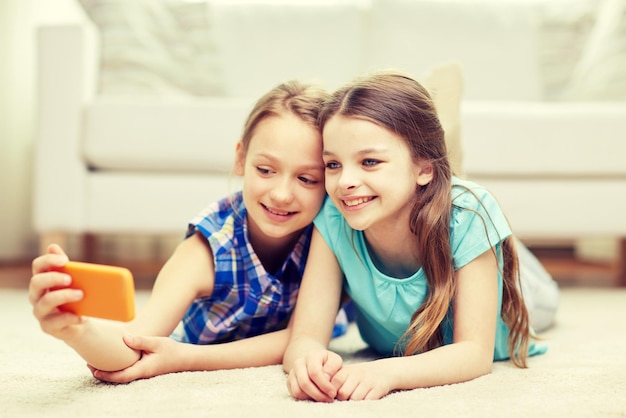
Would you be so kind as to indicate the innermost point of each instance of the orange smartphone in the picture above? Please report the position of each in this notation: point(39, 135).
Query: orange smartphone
point(109, 291)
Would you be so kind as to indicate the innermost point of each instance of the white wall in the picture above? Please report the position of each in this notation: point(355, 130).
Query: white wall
point(18, 19)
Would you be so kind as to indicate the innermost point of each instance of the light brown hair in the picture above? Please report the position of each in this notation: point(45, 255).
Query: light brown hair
point(400, 104)
point(295, 97)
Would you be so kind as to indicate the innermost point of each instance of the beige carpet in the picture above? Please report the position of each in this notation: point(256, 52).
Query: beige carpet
point(582, 375)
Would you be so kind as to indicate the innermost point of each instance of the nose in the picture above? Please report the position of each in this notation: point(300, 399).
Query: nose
point(282, 192)
point(348, 179)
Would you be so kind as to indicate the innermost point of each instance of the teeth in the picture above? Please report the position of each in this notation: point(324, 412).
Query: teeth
point(277, 213)
point(358, 201)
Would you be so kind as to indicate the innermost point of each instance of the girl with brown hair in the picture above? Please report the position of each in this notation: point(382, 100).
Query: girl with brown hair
point(428, 259)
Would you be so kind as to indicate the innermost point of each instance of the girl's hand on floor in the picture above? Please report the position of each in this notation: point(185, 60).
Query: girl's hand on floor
point(160, 355)
point(362, 381)
point(310, 377)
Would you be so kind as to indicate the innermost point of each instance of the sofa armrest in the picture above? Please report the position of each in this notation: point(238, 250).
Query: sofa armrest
point(557, 168)
point(67, 71)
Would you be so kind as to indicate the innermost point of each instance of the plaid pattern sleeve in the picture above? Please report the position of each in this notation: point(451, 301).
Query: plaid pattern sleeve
point(246, 300)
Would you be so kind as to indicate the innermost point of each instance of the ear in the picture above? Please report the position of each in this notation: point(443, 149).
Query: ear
point(424, 173)
point(240, 160)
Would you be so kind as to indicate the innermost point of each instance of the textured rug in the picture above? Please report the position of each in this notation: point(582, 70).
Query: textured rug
point(582, 375)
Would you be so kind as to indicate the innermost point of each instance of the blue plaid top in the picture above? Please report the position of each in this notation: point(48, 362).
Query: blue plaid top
point(246, 299)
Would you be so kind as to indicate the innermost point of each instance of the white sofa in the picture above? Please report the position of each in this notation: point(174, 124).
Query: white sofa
point(144, 163)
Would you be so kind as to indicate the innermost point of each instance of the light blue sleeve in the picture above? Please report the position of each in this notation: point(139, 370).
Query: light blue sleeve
point(330, 223)
point(477, 223)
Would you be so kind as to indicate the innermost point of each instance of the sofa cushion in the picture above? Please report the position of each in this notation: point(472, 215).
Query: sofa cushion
point(155, 47)
point(168, 136)
point(513, 49)
point(492, 40)
point(200, 135)
point(601, 71)
point(262, 43)
point(564, 27)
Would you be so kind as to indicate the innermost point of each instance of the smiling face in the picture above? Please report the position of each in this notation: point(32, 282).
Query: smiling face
point(283, 179)
point(370, 174)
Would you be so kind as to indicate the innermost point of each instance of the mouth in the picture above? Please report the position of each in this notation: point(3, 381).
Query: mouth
point(277, 212)
point(351, 203)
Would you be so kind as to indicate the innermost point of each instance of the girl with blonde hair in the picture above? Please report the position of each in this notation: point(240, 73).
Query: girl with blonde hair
point(234, 279)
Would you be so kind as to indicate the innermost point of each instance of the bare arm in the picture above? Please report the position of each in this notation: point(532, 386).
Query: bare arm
point(470, 355)
point(309, 364)
point(185, 276)
point(163, 355)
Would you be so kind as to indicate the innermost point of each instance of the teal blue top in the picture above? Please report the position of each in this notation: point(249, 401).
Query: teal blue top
point(384, 304)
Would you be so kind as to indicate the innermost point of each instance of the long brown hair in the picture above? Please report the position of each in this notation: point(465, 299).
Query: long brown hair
point(399, 103)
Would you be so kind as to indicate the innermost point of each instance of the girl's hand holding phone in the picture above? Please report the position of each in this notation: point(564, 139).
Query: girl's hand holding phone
point(60, 295)
point(108, 291)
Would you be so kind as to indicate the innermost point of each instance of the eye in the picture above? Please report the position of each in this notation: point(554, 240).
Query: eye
point(370, 162)
point(308, 181)
point(263, 170)
point(332, 165)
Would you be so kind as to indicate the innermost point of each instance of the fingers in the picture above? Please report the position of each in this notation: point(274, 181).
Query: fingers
point(51, 319)
point(302, 388)
point(41, 284)
point(149, 344)
point(355, 391)
point(343, 385)
point(301, 381)
point(321, 372)
point(53, 324)
point(55, 257)
point(50, 301)
point(121, 376)
point(333, 364)
point(310, 377)
point(152, 361)
point(357, 383)
point(56, 249)
point(47, 290)
point(46, 302)
point(44, 278)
